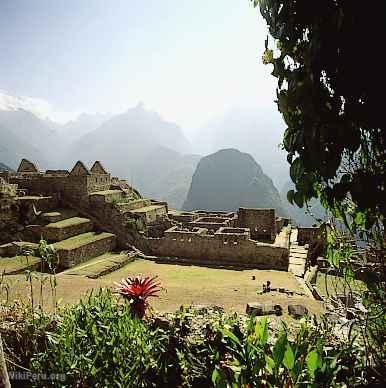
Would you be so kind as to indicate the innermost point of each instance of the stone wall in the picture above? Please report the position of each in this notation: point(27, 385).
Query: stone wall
point(40, 203)
point(132, 205)
point(234, 233)
point(261, 222)
point(39, 184)
point(106, 196)
point(211, 223)
point(70, 257)
point(227, 249)
point(8, 208)
point(98, 182)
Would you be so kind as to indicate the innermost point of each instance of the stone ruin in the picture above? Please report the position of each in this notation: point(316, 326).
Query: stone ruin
point(226, 238)
point(86, 213)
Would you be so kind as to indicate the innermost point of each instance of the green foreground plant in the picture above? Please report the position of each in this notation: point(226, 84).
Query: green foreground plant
point(99, 342)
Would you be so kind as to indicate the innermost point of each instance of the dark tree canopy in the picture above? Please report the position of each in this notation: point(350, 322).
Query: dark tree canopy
point(327, 58)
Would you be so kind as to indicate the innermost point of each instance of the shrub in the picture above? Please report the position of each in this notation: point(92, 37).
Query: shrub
point(99, 343)
point(308, 360)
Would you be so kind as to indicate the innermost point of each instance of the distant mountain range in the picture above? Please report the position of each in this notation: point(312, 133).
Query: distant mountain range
point(3, 167)
point(155, 156)
point(258, 132)
point(137, 145)
point(22, 134)
point(229, 179)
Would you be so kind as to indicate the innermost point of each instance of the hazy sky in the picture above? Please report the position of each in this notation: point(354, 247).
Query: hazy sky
point(188, 59)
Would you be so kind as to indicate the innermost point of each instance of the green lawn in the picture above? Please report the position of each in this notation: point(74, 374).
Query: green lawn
point(95, 267)
point(183, 285)
point(68, 222)
point(18, 263)
point(330, 285)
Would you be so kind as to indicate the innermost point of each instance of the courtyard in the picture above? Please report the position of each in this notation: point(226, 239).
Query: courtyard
point(183, 285)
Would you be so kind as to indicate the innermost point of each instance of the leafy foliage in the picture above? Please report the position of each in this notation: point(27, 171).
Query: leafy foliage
point(328, 93)
point(99, 343)
point(250, 360)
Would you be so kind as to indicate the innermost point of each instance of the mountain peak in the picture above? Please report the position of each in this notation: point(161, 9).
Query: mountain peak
point(229, 179)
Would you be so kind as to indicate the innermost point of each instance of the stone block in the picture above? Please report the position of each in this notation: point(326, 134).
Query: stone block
point(259, 309)
point(297, 310)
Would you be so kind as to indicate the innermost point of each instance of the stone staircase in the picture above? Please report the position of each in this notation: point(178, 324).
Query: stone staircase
point(297, 255)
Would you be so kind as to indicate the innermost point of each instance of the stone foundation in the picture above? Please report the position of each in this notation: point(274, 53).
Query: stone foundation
point(233, 248)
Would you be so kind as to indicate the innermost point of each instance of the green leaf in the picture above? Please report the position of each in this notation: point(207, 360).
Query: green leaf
point(298, 199)
point(229, 334)
point(261, 330)
point(267, 56)
point(289, 357)
point(269, 363)
point(313, 361)
point(279, 349)
point(296, 169)
point(290, 196)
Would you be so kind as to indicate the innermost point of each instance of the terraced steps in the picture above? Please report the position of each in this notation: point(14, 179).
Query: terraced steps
point(14, 248)
point(64, 229)
point(101, 265)
point(85, 246)
point(17, 264)
point(58, 215)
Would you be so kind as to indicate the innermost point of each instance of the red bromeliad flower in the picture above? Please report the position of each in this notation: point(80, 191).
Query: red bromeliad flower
point(136, 290)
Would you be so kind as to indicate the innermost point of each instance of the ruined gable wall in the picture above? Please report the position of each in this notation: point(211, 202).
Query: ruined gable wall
point(261, 222)
point(27, 167)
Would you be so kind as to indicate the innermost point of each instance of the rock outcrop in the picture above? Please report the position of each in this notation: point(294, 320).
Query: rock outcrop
point(229, 179)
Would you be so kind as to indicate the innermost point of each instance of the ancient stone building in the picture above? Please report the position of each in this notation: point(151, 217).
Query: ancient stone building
point(75, 185)
point(104, 213)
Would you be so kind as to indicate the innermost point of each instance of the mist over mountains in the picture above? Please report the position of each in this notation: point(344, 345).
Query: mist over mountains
point(257, 132)
point(153, 154)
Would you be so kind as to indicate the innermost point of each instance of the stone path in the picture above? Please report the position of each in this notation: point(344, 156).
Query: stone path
point(297, 255)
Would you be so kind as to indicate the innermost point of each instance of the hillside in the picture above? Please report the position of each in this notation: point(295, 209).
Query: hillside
point(229, 179)
point(24, 135)
point(3, 167)
point(166, 175)
point(123, 140)
point(258, 132)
